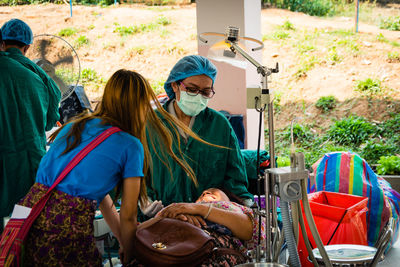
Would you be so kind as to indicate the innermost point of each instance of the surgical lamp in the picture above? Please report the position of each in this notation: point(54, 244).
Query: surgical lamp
point(287, 183)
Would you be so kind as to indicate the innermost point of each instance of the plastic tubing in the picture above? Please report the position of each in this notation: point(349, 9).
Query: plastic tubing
point(278, 248)
point(295, 216)
point(305, 238)
point(311, 224)
point(289, 235)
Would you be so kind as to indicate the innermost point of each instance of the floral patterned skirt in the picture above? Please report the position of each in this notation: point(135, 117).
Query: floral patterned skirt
point(62, 235)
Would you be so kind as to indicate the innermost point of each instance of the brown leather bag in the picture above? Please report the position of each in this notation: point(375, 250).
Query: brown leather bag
point(170, 242)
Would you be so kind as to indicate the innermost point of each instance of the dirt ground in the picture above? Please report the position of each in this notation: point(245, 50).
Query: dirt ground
point(153, 54)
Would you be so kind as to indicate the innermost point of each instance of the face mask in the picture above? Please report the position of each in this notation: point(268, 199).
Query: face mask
point(192, 105)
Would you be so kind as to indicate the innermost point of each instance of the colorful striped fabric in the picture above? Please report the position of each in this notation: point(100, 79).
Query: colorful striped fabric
point(347, 172)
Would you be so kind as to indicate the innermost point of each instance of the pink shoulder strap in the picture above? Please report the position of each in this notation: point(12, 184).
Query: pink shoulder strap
point(38, 207)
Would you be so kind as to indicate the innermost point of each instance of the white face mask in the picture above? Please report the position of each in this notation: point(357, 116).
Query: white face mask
point(192, 105)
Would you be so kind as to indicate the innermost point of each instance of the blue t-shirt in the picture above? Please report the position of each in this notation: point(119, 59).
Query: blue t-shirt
point(119, 156)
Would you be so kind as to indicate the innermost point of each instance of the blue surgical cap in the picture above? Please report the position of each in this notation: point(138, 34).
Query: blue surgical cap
point(189, 66)
point(17, 30)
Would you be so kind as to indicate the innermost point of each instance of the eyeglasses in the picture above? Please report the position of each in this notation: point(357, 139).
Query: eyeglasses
point(193, 91)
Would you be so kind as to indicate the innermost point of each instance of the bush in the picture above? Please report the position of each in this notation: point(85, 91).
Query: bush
point(374, 150)
point(82, 40)
point(89, 75)
point(389, 165)
point(311, 7)
point(390, 23)
point(283, 161)
point(67, 32)
point(300, 134)
point(369, 87)
point(391, 126)
point(326, 103)
point(351, 131)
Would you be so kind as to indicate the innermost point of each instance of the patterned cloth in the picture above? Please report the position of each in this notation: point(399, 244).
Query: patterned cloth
point(252, 243)
point(62, 235)
point(347, 172)
point(227, 240)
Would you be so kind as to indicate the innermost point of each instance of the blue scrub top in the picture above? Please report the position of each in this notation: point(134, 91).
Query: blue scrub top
point(119, 156)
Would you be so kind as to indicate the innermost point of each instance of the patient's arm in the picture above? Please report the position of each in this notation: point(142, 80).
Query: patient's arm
point(239, 223)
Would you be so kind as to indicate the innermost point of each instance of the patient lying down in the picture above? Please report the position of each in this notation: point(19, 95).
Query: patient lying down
point(232, 225)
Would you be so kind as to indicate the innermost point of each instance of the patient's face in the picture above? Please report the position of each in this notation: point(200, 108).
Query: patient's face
point(212, 194)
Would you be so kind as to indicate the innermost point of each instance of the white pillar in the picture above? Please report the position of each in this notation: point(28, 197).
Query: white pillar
point(231, 82)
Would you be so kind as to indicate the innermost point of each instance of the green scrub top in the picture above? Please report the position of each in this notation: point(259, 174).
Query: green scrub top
point(54, 94)
point(24, 108)
point(214, 167)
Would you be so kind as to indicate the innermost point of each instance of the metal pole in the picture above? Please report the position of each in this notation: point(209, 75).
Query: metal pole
point(357, 2)
point(70, 7)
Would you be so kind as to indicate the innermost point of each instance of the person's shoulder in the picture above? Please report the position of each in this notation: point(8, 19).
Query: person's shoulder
point(215, 115)
point(17, 69)
point(129, 141)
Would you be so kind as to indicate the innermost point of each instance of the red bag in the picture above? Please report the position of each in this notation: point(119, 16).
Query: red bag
point(16, 230)
point(340, 219)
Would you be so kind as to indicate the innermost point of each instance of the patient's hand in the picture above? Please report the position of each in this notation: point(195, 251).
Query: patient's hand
point(188, 212)
point(196, 220)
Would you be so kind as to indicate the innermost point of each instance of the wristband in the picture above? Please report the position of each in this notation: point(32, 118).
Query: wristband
point(209, 210)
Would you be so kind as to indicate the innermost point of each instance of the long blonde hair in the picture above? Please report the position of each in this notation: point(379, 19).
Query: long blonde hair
point(126, 103)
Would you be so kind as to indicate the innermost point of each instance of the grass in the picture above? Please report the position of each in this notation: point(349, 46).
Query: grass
point(381, 38)
point(81, 41)
point(276, 35)
point(305, 65)
point(137, 50)
point(66, 32)
point(390, 23)
point(158, 85)
point(161, 21)
point(369, 87)
point(393, 57)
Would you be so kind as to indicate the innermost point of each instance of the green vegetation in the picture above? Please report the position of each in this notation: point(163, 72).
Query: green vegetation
point(371, 141)
point(369, 87)
point(67, 75)
point(276, 35)
point(390, 23)
point(81, 41)
point(381, 38)
point(351, 131)
point(277, 101)
point(90, 78)
point(148, 27)
point(158, 85)
point(67, 32)
point(393, 57)
point(326, 103)
point(287, 26)
point(283, 161)
point(124, 31)
point(306, 64)
point(311, 7)
point(389, 165)
point(89, 75)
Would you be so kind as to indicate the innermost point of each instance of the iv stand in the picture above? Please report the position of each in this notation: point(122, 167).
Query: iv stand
point(265, 101)
point(286, 182)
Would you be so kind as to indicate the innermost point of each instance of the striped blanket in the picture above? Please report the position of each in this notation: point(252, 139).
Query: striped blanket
point(347, 172)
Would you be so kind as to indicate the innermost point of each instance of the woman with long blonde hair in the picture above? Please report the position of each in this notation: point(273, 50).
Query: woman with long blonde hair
point(63, 232)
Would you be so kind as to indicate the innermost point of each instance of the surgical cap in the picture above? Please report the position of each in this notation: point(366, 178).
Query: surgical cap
point(189, 66)
point(17, 30)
